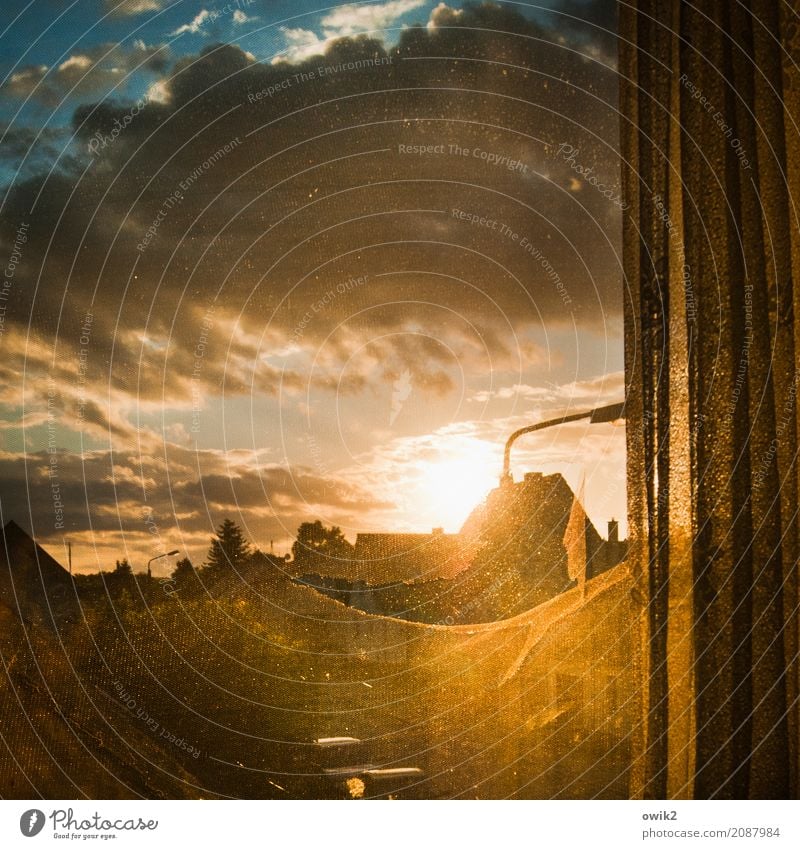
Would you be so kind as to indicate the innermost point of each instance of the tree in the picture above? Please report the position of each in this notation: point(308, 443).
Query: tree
point(123, 567)
point(183, 570)
point(324, 550)
point(229, 549)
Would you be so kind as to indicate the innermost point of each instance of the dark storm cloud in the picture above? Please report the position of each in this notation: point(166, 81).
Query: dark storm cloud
point(257, 193)
point(24, 150)
point(19, 140)
point(109, 494)
point(592, 25)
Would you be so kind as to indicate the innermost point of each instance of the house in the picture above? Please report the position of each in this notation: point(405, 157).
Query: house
point(534, 541)
point(528, 542)
point(33, 584)
point(391, 558)
point(610, 552)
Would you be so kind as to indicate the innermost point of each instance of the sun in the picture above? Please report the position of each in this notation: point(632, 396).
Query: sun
point(449, 489)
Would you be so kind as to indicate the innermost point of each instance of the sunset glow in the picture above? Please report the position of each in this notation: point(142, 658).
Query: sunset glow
point(450, 489)
point(343, 295)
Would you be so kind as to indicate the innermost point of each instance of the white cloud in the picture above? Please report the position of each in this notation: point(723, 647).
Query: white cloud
point(129, 8)
point(159, 92)
point(506, 393)
point(302, 45)
point(196, 25)
point(443, 16)
point(76, 63)
point(24, 82)
point(93, 71)
point(354, 18)
point(567, 398)
point(348, 20)
point(205, 16)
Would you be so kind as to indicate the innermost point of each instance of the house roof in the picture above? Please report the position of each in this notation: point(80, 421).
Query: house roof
point(32, 583)
point(392, 558)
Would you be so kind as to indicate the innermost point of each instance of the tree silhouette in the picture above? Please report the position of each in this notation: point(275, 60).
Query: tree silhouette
point(229, 549)
point(319, 548)
point(123, 567)
point(183, 570)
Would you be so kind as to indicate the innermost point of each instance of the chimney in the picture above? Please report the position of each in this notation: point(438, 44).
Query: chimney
point(613, 530)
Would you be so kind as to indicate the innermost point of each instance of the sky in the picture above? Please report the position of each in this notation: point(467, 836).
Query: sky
point(286, 261)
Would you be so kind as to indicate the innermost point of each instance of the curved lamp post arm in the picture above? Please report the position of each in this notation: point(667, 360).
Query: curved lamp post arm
point(602, 414)
point(158, 557)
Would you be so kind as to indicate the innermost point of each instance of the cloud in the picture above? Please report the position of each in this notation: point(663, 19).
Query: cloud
point(130, 8)
point(119, 498)
point(240, 18)
point(37, 148)
point(90, 72)
point(354, 18)
point(24, 82)
point(344, 21)
point(588, 27)
point(443, 16)
point(507, 393)
point(595, 392)
point(195, 25)
point(301, 44)
point(305, 246)
point(158, 92)
point(410, 244)
point(425, 267)
point(463, 460)
point(115, 498)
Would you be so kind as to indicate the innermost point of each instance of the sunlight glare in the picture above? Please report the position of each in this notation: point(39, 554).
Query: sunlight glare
point(451, 488)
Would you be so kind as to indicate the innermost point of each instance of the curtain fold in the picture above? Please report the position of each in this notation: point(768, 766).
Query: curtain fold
point(709, 97)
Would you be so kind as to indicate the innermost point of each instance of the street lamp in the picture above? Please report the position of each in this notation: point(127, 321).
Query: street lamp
point(158, 557)
point(611, 413)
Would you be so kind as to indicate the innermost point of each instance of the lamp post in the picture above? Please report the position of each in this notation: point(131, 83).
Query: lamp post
point(158, 557)
point(611, 413)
